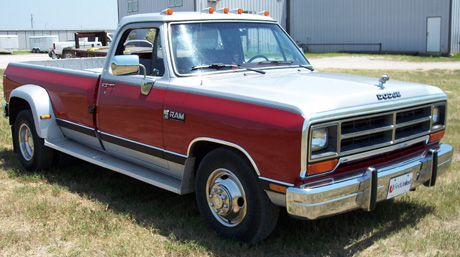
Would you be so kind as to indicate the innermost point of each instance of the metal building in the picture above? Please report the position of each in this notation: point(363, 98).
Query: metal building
point(418, 26)
point(391, 26)
point(277, 8)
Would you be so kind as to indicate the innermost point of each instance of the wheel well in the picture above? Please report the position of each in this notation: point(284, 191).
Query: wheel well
point(200, 149)
point(15, 106)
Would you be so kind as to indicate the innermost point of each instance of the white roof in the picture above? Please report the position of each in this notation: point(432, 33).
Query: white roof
point(193, 16)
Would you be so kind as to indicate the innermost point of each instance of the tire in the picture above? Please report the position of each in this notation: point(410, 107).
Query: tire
point(230, 199)
point(33, 153)
point(67, 55)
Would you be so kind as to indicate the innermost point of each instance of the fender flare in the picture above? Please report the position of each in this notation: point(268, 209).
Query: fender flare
point(224, 143)
point(40, 104)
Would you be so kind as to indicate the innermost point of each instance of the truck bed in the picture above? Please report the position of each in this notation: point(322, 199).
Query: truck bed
point(94, 64)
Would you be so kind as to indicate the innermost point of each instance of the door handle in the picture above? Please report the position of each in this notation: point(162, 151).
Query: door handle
point(106, 85)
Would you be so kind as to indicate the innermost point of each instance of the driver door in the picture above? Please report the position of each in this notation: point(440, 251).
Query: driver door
point(129, 122)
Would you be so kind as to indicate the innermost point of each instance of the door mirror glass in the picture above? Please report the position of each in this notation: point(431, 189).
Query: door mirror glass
point(125, 64)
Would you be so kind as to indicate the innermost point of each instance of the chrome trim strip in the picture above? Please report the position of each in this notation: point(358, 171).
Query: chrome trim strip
point(367, 132)
point(304, 146)
point(276, 181)
point(355, 157)
point(382, 150)
point(412, 122)
point(76, 127)
point(143, 148)
point(222, 142)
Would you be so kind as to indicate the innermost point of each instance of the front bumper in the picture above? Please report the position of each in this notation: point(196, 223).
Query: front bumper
point(365, 189)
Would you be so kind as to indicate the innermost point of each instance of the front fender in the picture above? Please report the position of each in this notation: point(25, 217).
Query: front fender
point(40, 104)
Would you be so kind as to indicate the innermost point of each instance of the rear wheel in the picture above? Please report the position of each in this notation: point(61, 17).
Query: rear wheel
point(33, 153)
point(67, 54)
point(230, 199)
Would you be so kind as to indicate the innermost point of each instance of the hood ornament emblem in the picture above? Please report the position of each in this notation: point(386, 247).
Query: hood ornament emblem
point(383, 80)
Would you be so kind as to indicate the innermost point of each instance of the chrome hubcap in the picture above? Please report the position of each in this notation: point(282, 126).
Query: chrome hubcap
point(26, 142)
point(226, 197)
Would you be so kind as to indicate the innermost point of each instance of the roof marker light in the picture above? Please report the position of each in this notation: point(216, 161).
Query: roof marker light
point(264, 13)
point(168, 11)
point(238, 11)
point(208, 10)
point(223, 10)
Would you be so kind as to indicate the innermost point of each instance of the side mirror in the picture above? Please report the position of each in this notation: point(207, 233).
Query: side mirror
point(125, 64)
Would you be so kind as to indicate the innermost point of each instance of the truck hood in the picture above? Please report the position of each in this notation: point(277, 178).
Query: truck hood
point(316, 92)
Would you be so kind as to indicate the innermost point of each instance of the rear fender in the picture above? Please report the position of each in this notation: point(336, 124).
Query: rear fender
point(40, 105)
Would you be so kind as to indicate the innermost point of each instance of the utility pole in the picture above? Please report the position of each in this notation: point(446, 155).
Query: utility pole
point(32, 20)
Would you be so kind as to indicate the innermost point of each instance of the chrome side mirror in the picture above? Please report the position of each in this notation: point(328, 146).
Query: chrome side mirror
point(125, 64)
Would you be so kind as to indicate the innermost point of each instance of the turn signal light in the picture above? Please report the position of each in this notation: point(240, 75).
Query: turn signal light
point(277, 188)
point(436, 136)
point(321, 167)
point(44, 117)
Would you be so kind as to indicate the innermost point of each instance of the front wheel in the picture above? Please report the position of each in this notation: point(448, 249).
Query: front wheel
point(230, 199)
point(33, 153)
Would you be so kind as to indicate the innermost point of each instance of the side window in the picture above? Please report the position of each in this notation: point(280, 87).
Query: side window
point(145, 43)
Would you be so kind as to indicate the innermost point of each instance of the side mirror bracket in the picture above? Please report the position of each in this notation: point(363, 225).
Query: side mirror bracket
point(146, 85)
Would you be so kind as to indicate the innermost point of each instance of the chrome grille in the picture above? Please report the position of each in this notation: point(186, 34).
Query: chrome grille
point(365, 133)
point(383, 129)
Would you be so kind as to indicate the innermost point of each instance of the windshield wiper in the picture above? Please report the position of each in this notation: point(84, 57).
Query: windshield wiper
point(308, 67)
point(216, 66)
point(274, 62)
point(250, 69)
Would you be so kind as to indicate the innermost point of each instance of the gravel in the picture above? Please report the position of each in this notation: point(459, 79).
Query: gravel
point(6, 58)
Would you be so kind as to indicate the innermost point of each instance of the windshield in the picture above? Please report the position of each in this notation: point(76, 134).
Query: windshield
point(209, 47)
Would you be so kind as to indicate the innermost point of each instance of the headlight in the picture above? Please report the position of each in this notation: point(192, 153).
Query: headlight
point(436, 115)
point(319, 139)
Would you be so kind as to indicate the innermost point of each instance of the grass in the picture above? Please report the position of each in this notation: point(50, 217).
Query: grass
point(394, 57)
point(84, 210)
point(22, 52)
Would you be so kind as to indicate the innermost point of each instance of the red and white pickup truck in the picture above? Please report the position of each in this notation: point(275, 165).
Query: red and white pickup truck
point(227, 106)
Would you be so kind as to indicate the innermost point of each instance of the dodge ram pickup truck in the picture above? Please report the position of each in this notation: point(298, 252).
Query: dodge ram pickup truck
point(226, 105)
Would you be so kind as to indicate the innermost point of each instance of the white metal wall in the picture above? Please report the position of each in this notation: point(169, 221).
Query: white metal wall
point(23, 35)
point(455, 27)
point(399, 26)
point(277, 8)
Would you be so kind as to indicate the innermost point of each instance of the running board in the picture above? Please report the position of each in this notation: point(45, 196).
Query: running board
point(102, 159)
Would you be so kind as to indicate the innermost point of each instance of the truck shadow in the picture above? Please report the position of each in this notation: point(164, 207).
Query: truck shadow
point(177, 217)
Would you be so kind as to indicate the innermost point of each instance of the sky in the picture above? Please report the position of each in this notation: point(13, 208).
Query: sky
point(58, 14)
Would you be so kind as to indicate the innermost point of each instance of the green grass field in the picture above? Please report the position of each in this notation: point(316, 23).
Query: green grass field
point(85, 210)
point(393, 57)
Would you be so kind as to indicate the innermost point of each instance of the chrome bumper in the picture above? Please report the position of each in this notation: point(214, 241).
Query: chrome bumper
point(364, 190)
